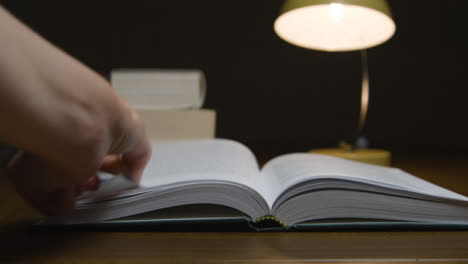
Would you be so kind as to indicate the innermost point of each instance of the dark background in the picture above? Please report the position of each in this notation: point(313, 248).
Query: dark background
point(271, 95)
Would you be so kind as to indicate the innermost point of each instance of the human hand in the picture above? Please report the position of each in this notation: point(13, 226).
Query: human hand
point(67, 119)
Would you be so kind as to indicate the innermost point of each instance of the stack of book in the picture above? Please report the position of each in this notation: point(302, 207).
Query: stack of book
point(168, 101)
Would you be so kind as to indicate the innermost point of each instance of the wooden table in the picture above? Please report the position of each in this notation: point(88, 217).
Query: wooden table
point(21, 245)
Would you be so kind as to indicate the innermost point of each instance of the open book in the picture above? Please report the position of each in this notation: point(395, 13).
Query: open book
point(289, 190)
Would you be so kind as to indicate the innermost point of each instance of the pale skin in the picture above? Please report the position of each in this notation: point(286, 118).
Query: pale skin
point(66, 118)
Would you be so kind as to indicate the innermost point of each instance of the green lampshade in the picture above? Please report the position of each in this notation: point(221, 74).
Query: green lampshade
point(339, 25)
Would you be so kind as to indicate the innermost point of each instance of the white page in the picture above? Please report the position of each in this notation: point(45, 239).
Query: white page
point(183, 162)
point(213, 159)
point(288, 170)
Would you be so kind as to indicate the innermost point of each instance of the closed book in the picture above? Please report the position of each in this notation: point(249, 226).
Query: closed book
point(162, 89)
point(172, 125)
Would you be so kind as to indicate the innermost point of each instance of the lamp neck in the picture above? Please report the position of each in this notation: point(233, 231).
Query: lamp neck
point(364, 98)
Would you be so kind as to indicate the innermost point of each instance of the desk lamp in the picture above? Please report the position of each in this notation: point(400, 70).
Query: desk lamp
point(340, 25)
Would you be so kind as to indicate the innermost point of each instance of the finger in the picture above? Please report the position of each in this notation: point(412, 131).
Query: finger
point(91, 184)
point(135, 161)
point(113, 164)
point(133, 148)
point(137, 156)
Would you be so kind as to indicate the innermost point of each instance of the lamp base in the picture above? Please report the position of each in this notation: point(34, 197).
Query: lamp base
point(372, 156)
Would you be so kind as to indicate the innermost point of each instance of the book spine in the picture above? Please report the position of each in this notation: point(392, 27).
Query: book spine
point(268, 221)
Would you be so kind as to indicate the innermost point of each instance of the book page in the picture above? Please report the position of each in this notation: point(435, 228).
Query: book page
point(285, 171)
point(200, 160)
point(179, 173)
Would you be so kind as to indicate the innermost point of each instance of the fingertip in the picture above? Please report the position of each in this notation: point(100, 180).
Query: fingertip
point(135, 161)
point(92, 183)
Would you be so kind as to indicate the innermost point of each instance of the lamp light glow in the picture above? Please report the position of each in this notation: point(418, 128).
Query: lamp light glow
point(336, 12)
point(335, 25)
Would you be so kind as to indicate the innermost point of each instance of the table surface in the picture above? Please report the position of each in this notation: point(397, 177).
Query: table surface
point(21, 245)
